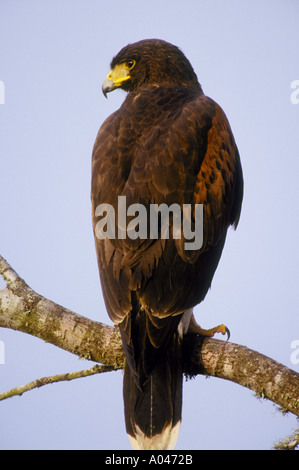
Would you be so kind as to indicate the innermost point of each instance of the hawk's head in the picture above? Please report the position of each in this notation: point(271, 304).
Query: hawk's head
point(151, 61)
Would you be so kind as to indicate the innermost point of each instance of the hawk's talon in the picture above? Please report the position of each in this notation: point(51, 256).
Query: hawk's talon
point(228, 333)
point(194, 328)
point(219, 329)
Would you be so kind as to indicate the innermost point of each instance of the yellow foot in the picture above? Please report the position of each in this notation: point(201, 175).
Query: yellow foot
point(196, 329)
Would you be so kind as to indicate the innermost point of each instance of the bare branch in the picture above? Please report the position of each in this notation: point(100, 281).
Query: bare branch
point(289, 443)
point(96, 369)
point(24, 310)
point(239, 364)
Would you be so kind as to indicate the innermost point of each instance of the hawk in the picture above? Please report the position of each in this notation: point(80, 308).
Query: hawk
point(168, 145)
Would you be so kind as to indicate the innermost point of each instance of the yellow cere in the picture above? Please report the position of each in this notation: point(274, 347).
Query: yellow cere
point(120, 73)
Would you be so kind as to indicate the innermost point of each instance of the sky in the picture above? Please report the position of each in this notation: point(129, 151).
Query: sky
point(54, 56)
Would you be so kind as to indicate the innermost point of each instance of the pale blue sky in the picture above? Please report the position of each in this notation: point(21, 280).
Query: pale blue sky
point(54, 56)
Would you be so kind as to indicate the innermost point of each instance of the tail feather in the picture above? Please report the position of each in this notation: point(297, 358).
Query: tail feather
point(153, 411)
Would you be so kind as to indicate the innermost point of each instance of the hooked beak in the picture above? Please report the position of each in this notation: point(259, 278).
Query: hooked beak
point(108, 86)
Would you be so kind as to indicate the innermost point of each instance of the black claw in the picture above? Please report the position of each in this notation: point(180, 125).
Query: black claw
point(228, 333)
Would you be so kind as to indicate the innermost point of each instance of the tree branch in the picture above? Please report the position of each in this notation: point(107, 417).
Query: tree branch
point(24, 310)
point(289, 443)
point(266, 377)
point(96, 369)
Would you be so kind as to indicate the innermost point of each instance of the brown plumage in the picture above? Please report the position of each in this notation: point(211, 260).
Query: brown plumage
point(167, 143)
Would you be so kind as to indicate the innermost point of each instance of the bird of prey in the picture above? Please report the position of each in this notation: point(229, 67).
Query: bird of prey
point(167, 146)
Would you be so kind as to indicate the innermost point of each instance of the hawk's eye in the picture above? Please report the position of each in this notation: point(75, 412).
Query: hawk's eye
point(130, 63)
